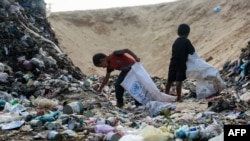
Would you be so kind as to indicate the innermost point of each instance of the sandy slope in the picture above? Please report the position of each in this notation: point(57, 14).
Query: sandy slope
point(150, 31)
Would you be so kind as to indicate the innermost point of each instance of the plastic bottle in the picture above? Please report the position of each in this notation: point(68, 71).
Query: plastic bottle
point(190, 133)
point(194, 132)
point(182, 132)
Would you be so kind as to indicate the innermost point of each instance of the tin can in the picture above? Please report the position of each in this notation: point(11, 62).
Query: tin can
point(74, 107)
point(36, 123)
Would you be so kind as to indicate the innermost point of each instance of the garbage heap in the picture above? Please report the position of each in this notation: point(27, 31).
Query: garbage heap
point(43, 96)
point(31, 62)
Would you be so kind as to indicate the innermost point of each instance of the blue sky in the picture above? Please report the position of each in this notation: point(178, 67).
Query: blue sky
point(69, 5)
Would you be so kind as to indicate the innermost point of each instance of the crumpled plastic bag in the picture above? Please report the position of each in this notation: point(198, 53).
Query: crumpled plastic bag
point(150, 133)
point(130, 137)
point(103, 128)
point(211, 130)
point(155, 107)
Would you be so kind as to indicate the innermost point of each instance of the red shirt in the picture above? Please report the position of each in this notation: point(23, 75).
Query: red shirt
point(120, 62)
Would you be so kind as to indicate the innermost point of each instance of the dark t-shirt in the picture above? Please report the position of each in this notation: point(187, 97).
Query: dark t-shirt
point(121, 62)
point(180, 50)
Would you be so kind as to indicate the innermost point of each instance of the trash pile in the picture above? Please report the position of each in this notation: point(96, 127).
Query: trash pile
point(44, 96)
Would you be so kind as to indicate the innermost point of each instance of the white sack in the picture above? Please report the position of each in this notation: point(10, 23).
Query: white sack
point(209, 81)
point(140, 85)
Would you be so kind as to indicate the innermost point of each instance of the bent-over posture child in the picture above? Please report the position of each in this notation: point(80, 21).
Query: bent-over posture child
point(120, 60)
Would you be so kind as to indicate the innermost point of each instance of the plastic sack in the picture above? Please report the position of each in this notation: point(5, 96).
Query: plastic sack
point(141, 87)
point(150, 133)
point(208, 78)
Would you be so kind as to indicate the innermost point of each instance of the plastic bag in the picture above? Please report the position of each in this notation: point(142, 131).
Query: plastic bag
point(103, 128)
point(150, 133)
point(140, 85)
point(155, 107)
point(12, 125)
point(209, 81)
point(131, 137)
point(211, 130)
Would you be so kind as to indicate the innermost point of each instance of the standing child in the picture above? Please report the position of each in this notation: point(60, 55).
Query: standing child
point(121, 60)
point(177, 67)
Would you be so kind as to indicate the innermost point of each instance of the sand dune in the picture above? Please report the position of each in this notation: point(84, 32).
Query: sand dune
point(150, 31)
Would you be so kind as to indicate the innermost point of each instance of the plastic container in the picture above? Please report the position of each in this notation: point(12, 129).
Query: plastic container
point(74, 107)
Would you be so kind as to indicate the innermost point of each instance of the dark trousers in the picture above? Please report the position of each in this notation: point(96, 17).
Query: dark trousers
point(119, 90)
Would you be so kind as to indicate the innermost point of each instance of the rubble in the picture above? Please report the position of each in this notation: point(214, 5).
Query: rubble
point(43, 95)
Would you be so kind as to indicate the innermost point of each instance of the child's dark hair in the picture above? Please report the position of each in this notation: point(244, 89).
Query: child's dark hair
point(97, 58)
point(183, 29)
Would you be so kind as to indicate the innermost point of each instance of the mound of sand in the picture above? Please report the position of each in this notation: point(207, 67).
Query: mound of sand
point(149, 31)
